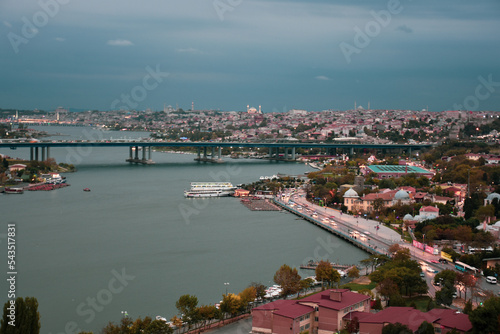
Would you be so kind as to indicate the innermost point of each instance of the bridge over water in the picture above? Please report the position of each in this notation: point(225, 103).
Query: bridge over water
point(288, 150)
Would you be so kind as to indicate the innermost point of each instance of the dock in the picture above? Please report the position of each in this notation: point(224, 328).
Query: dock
point(311, 265)
point(259, 204)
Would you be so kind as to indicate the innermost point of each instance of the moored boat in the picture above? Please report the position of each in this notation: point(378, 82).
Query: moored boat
point(209, 189)
point(13, 190)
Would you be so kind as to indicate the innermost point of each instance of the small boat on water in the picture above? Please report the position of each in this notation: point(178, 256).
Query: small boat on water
point(14, 190)
point(86, 189)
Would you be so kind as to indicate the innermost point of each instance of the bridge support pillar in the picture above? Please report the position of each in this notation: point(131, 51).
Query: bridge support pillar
point(270, 152)
point(136, 153)
point(31, 153)
point(36, 153)
point(43, 153)
point(219, 153)
point(293, 153)
point(351, 151)
point(199, 153)
point(204, 152)
point(286, 153)
point(213, 152)
point(48, 152)
point(144, 153)
point(130, 156)
point(149, 153)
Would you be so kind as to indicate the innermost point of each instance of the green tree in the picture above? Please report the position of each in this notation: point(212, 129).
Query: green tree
point(248, 296)
point(207, 313)
point(396, 300)
point(396, 328)
point(468, 307)
point(288, 279)
point(187, 306)
point(378, 204)
point(353, 272)
point(402, 255)
point(231, 304)
point(26, 319)
point(445, 295)
point(260, 289)
point(326, 273)
point(446, 275)
point(425, 328)
point(484, 318)
point(485, 212)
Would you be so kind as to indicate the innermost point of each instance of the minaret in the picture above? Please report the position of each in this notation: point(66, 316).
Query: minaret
point(368, 105)
point(260, 112)
point(248, 107)
point(355, 105)
point(192, 106)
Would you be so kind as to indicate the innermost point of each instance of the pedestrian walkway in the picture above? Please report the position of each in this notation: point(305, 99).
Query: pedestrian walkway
point(362, 225)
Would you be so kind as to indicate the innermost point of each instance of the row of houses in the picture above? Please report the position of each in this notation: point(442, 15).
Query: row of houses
point(330, 311)
point(388, 198)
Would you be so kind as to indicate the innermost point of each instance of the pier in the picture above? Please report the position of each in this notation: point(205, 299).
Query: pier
point(311, 265)
point(259, 205)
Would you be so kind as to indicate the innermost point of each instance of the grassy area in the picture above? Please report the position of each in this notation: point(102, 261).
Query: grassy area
point(407, 237)
point(357, 287)
point(420, 301)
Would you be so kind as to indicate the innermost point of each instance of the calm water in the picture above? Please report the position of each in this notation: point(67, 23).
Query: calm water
point(136, 225)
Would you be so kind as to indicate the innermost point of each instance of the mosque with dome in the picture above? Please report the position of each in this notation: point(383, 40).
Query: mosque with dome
point(355, 203)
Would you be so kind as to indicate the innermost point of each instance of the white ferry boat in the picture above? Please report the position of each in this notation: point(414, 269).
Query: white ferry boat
point(210, 189)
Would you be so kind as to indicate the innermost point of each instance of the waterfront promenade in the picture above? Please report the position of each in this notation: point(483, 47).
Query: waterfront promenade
point(367, 234)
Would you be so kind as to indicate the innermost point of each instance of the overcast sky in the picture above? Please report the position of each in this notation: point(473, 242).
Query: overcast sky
point(225, 54)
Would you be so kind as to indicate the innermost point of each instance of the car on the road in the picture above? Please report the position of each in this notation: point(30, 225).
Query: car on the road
point(431, 270)
point(422, 274)
point(434, 261)
point(455, 295)
point(491, 279)
point(443, 261)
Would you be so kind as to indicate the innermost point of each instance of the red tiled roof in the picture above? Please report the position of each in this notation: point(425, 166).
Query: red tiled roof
point(348, 298)
point(452, 319)
point(408, 189)
point(429, 209)
point(421, 195)
point(405, 315)
point(388, 196)
point(442, 198)
point(286, 308)
point(356, 314)
point(293, 310)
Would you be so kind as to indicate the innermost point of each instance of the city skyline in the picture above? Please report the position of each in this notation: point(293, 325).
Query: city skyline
point(225, 54)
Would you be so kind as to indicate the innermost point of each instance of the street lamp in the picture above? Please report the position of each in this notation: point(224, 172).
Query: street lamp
point(226, 284)
point(125, 314)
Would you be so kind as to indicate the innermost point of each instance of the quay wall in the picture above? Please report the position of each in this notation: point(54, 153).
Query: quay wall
point(339, 234)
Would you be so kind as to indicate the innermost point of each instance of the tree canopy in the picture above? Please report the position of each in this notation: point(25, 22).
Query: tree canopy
point(27, 317)
point(288, 279)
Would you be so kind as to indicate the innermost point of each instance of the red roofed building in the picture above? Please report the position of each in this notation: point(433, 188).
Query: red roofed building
point(320, 313)
point(443, 320)
point(449, 319)
point(429, 212)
